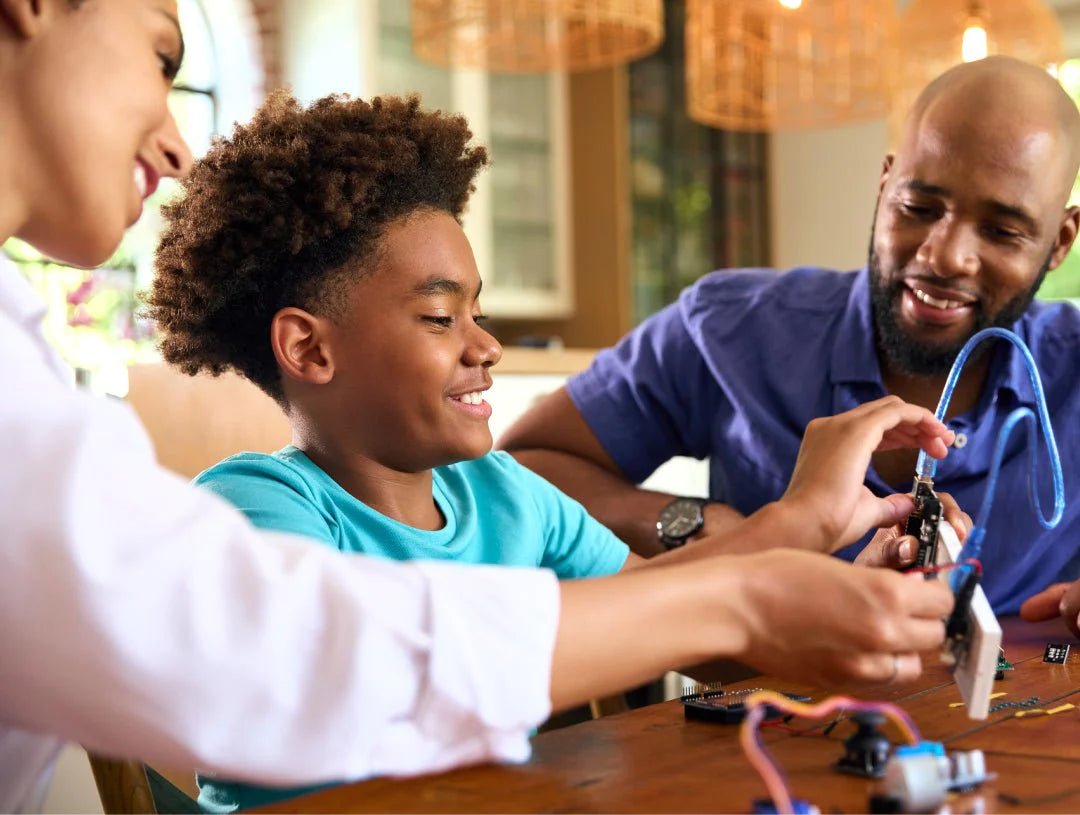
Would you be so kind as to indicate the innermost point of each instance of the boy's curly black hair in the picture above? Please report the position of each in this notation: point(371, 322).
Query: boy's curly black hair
point(288, 212)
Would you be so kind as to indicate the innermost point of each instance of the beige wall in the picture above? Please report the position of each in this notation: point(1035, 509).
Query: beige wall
point(822, 189)
point(72, 788)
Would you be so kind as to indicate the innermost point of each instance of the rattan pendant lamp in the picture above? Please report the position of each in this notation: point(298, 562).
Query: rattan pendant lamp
point(786, 64)
point(525, 36)
point(934, 35)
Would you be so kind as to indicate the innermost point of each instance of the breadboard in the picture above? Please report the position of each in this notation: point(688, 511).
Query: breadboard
point(976, 659)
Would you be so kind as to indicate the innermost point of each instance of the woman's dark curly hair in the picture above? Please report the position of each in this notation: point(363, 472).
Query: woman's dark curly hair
point(289, 212)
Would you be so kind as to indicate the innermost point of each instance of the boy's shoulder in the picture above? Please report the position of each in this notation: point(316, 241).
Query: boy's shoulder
point(287, 464)
point(282, 491)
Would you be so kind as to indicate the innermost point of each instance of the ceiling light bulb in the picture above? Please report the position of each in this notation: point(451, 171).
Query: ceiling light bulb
point(973, 47)
point(791, 3)
point(1069, 74)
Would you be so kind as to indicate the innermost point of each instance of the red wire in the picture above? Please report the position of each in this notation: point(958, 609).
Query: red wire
point(947, 566)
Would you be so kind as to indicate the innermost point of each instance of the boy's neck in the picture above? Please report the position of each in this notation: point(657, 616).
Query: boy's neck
point(406, 497)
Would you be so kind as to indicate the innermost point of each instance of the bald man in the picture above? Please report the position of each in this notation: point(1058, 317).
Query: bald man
point(971, 215)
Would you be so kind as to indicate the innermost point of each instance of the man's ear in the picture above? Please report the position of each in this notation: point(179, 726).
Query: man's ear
point(886, 168)
point(1065, 237)
point(299, 340)
point(26, 17)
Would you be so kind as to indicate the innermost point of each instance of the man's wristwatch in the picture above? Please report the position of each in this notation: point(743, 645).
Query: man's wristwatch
point(680, 520)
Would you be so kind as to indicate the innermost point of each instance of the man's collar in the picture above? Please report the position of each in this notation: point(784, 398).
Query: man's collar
point(854, 356)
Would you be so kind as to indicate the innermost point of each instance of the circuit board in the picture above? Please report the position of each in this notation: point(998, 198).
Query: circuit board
point(923, 523)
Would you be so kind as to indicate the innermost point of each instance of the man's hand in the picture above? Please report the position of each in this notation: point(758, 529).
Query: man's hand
point(871, 629)
point(827, 484)
point(1060, 599)
point(892, 549)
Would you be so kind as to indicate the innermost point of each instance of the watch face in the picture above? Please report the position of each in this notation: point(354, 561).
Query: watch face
point(681, 518)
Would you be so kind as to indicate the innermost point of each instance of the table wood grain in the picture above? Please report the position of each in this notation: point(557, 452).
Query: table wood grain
point(653, 760)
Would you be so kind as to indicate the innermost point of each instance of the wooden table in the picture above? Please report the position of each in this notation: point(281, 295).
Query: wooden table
point(653, 760)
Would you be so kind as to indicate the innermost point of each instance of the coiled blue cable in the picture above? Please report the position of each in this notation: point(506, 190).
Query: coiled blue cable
point(926, 466)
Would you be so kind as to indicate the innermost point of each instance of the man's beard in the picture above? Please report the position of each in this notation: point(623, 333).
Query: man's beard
point(905, 354)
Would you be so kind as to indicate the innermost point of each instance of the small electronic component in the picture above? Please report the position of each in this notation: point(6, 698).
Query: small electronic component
point(726, 707)
point(1002, 665)
point(1030, 702)
point(923, 523)
point(1056, 652)
point(867, 750)
point(702, 690)
point(918, 776)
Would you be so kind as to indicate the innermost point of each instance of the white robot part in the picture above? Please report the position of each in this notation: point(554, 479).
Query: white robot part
point(918, 782)
point(919, 778)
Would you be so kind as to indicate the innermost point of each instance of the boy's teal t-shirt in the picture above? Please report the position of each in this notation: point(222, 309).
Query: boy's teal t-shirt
point(496, 512)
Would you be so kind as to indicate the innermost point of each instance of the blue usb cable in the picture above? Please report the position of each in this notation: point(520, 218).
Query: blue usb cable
point(926, 466)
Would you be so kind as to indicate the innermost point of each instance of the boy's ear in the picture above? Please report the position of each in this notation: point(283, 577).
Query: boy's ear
point(25, 17)
point(299, 340)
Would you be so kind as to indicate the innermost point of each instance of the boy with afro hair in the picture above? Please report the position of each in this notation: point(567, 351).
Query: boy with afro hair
point(318, 252)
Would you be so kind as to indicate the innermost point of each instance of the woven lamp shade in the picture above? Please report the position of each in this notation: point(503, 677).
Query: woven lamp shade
point(526, 36)
point(758, 65)
point(929, 39)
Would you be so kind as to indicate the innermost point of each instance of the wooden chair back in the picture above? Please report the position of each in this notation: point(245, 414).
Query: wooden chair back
point(195, 421)
point(122, 786)
point(130, 787)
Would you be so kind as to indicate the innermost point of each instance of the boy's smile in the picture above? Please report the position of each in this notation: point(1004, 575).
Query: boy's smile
point(473, 403)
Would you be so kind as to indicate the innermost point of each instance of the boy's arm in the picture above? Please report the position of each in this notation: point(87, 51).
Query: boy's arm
point(826, 491)
point(755, 605)
point(748, 607)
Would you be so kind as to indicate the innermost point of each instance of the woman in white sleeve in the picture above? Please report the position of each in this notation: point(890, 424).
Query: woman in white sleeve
point(292, 664)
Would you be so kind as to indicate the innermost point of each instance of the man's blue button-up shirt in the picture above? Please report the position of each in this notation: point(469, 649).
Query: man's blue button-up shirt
point(736, 368)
